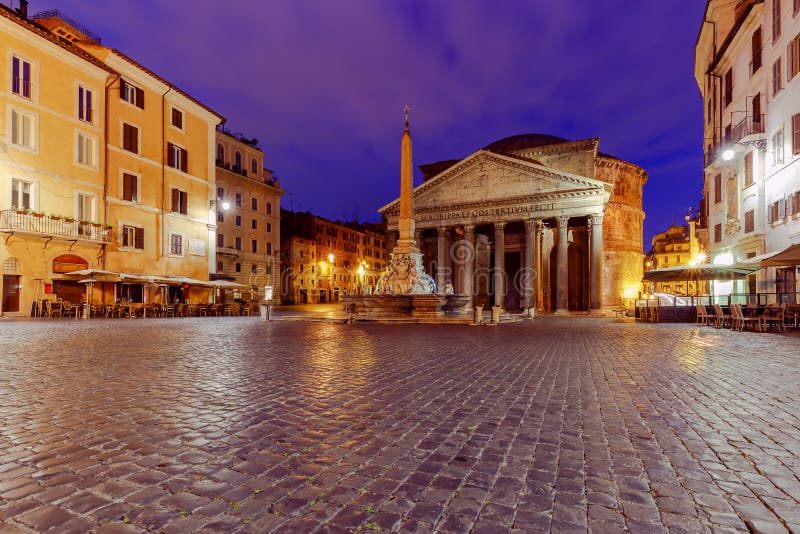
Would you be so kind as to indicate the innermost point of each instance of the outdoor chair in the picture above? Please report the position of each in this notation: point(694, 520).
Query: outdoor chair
point(703, 317)
point(53, 308)
point(774, 316)
point(739, 321)
point(235, 309)
point(722, 319)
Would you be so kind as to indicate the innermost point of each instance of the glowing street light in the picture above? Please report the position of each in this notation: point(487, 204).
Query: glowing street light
point(728, 154)
point(226, 205)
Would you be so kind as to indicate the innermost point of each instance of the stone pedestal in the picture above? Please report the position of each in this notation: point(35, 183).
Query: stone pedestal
point(427, 306)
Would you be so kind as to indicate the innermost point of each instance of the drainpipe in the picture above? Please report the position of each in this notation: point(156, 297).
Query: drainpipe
point(115, 78)
point(163, 170)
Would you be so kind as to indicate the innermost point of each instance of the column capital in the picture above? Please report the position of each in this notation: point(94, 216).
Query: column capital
point(562, 222)
point(441, 231)
point(595, 219)
point(469, 229)
point(499, 226)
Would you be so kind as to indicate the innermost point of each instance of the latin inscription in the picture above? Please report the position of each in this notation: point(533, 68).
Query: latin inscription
point(483, 212)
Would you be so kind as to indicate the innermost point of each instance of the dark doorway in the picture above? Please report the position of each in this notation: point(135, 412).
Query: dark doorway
point(11, 293)
point(513, 266)
point(578, 295)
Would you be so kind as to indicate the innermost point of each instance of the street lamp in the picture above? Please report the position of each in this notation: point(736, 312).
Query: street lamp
point(331, 259)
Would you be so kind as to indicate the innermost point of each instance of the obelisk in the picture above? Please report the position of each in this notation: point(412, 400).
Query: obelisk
point(405, 221)
point(405, 274)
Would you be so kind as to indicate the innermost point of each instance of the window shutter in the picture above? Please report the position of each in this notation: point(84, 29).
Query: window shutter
point(139, 238)
point(184, 197)
point(139, 98)
point(796, 134)
point(184, 160)
point(122, 85)
point(782, 208)
point(170, 154)
point(88, 110)
point(175, 200)
point(124, 236)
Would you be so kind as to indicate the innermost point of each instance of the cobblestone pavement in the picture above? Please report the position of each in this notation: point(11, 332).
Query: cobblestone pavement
point(236, 425)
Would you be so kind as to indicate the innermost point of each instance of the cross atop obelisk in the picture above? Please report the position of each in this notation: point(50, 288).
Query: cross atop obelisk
point(407, 108)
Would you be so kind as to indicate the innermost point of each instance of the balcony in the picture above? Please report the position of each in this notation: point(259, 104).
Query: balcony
point(749, 130)
point(227, 251)
point(33, 224)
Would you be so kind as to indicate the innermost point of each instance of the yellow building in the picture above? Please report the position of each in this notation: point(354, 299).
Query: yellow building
point(131, 190)
point(679, 245)
point(52, 102)
point(248, 210)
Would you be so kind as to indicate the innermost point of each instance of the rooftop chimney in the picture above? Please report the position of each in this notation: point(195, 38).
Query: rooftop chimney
point(23, 9)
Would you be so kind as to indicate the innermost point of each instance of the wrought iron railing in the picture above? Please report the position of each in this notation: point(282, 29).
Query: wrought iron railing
point(53, 226)
point(751, 124)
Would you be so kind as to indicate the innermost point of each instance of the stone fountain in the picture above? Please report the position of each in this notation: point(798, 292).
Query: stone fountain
point(405, 289)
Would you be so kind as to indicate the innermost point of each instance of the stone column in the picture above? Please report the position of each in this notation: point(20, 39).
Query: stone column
point(441, 258)
point(530, 273)
point(562, 267)
point(499, 264)
point(537, 262)
point(468, 261)
point(596, 284)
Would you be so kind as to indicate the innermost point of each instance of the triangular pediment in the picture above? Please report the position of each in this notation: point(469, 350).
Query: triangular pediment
point(488, 177)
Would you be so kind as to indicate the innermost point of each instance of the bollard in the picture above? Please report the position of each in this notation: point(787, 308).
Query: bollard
point(478, 314)
point(496, 314)
point(265, 312)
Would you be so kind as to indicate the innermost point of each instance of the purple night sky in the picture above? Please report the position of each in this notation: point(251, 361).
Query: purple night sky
point(322, 83)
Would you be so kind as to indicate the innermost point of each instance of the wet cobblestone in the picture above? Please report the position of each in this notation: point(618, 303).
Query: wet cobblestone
point(236, 425)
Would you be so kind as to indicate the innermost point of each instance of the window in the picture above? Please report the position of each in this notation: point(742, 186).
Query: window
point(237, 243)
point(796, 202)
point(176, 244)
point(220, 193)
point(269, 208)
point(717, 233)
point(796, 8)
point(238, 267)
point(253, 269)
point(254, 204)
point(269, 227)
point(776, 20)
point(748, 169)
point(749, 221)
point(269, 269)
point(793, 58)
point(254, 166)
point(177, 157)
point(755, 64)
point(132, 237)
point(269, 248)
point(777, 81)
point(177, 118)
point(220, 216)
point(253, 224)
point(179, 201)
point(131, 94)
point(718, 188)
point(85, 101)
point(238, 220)
point(238, 200)
point(220, 266)
point(254, 246)
point(237, 161)
point(220, 154)
point(796, 134)
point(85, 205)
point(21, 194)
point(728, 97)
point(220, 240)
point(86, 150)
point(130, 187)
point(130, 138)
point(21, 77)
point(23, 129)
point(777, 147)
point(757, 117)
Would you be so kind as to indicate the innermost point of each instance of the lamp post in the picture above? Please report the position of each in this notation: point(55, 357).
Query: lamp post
point(331, 264)
point(361, 277)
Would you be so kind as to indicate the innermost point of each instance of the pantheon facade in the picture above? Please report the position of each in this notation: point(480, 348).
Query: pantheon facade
point(532, 222)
